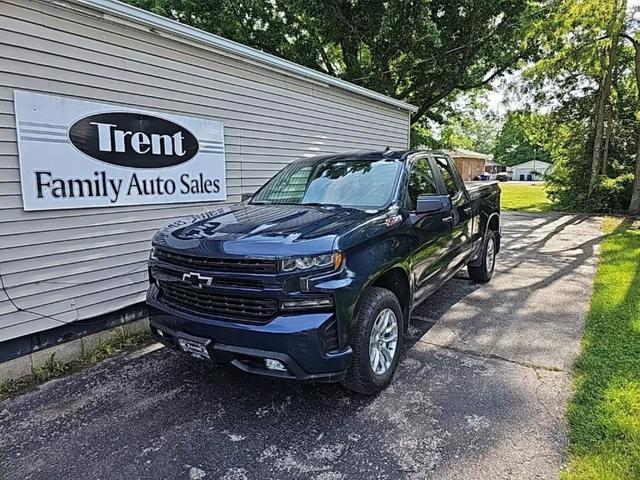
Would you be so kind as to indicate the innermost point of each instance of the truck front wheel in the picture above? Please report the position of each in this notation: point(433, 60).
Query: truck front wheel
point(376, 344)
point(484, 271)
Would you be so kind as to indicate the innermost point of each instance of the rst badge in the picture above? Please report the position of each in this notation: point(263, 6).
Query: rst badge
point(76, 154)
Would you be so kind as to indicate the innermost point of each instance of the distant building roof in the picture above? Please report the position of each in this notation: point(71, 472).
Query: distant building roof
point(462, 153)
point(530, 164)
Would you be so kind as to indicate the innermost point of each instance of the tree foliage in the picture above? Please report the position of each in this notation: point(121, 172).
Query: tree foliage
point(586, 79)
point(470, 124)
point(523, 137)
point(422, 51)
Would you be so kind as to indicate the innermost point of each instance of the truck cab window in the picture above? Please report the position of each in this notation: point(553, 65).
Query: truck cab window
point(421, 181)
point(448, 176)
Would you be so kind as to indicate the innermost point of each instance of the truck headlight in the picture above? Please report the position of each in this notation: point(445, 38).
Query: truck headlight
point(292, 264)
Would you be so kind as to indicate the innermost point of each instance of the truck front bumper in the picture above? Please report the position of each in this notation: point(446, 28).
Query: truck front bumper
point(296, 341)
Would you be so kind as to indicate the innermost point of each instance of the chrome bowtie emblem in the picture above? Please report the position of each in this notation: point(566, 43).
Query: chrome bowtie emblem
point(196, 280)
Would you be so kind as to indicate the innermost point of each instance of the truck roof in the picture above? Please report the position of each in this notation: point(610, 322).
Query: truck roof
point(374, 155)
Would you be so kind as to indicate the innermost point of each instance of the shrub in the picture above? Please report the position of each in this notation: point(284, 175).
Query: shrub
point(612, 194)
point(566, 186)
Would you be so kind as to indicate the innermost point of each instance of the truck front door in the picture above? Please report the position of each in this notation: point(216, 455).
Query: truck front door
point(431, 233)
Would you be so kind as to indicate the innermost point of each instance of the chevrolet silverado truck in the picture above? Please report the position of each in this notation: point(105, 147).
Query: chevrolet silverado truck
point(315, 276)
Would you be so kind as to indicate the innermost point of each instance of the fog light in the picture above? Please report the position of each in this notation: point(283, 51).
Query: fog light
point(272, 364)
point(307, 304)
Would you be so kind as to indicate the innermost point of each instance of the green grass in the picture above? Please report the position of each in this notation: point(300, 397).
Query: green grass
point(122, 341)
point(524, 197)
point(604, 413)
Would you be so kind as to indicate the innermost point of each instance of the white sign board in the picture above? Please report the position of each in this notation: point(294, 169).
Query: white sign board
point(77, 154)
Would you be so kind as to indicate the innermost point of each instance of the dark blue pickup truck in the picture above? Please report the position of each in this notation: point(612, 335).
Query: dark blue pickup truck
point(315, 276)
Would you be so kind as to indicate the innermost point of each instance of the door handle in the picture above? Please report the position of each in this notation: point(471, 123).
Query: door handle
point(448, 219)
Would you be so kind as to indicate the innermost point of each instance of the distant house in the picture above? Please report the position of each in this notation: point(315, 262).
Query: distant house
point(530, 171)
point(494, 167)
point(470, 164)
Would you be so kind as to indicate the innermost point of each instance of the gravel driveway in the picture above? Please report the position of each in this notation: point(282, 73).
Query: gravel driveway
point(480, 393)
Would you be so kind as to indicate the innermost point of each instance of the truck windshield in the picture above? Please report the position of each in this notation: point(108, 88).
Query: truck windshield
point(365, 184)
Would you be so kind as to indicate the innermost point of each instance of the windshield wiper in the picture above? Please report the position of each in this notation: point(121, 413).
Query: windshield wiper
point(318, 204)
point(331, 205)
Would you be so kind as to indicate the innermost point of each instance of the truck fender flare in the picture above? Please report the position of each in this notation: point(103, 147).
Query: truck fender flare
point(486, 227)
point(476, 258)
point(407, 276)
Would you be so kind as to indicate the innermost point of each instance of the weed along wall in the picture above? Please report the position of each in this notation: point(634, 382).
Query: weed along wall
point(113, 121)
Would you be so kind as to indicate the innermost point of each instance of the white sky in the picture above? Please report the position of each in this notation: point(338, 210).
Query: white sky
point(496, 100)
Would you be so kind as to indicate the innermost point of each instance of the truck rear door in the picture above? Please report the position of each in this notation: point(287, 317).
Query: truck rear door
point(461, 215)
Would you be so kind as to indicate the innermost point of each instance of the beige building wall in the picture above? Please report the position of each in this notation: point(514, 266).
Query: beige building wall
point(469, 168)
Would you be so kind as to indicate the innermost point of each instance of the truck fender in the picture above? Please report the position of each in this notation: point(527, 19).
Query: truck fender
point(493, 220)
point(388, 278)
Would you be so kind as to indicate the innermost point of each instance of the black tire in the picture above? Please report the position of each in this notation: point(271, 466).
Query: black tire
point(360, 377)
point(484, 271)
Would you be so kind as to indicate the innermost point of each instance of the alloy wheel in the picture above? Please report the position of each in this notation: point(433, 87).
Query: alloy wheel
point(383, 341)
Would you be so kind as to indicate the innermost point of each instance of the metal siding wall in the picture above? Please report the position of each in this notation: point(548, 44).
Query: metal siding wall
point(76, 264)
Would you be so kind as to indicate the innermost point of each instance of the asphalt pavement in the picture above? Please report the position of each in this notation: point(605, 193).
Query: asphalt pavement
point(480, 393)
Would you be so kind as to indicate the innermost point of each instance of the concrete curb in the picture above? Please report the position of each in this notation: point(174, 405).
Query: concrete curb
point(65, 352)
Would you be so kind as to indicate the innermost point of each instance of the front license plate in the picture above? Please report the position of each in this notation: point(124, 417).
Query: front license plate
point(195, 349)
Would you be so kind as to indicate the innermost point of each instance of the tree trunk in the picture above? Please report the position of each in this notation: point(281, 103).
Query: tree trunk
point(614, 30)
point(350, 58)
point(634, 205)
point(607, 142)
point(603, 100)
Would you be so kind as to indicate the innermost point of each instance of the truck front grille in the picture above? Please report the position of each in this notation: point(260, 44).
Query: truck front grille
point(249, 265)
point(218, 281)
point(204, 302)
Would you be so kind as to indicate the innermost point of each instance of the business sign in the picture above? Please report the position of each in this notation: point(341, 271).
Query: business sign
point(78, 154)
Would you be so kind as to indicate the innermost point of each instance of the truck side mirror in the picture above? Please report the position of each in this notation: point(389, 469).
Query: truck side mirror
point(246, 196)
point(434, 204)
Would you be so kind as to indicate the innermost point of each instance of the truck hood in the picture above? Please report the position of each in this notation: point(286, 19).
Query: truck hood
point(260, 230)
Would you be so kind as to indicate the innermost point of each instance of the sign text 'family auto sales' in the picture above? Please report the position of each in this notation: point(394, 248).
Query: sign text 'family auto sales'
point(76, 154)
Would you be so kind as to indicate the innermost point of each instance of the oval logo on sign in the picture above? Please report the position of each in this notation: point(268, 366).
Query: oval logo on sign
point(133, 140)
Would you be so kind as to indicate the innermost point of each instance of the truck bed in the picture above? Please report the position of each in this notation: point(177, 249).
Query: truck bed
point(481, 189)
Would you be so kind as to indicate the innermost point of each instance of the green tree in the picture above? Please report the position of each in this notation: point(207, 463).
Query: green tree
point(476, 131)
point(522, 138)
point(424, 51)
point(469, 124)
point(585, 78)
